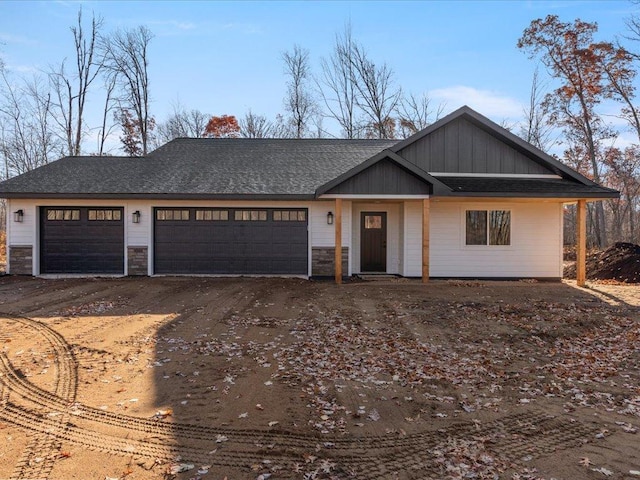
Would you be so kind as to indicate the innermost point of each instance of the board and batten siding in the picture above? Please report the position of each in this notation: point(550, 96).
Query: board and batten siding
point(535, 250)
point(464, 147)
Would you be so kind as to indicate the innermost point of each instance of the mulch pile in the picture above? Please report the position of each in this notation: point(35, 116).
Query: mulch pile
point(619, 262)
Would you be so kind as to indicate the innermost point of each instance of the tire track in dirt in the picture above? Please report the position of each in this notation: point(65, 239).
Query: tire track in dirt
point(53, 417)
point(40, 453)
point(368, 457)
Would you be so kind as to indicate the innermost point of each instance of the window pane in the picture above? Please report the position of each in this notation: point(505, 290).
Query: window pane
point(59, 214)
point(476, 227)
point(108, 214)
point(285, 215)
point(117, 215)
point(372, 221)
point(210, 215)
point(75, 215)
point(200, 214)
point(67, 214)
point(302, 216)
point(263, 215)
point(224, 215)
point(499, 227)
point(277, 216)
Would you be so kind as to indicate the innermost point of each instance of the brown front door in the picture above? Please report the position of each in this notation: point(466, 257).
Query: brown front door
point(373, 242)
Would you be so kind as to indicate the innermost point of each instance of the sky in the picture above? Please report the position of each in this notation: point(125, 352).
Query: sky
point(226, 57)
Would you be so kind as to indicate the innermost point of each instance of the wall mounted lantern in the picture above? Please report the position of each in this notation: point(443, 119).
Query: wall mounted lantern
point(330, 218)
point(18, 216)
point(135, 216)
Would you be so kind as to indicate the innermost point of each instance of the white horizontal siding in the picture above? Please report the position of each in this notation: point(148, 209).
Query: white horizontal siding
point(21, 233)
point(413, 239)
point(535, 250)
point(322, 234)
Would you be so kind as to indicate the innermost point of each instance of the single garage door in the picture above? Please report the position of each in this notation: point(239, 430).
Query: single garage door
point(230, 241)
point(82, 240)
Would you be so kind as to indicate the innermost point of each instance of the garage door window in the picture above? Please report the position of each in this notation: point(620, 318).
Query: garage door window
point(251, 215)
point(172, 214)
point(63, 214)
point(102, 215)
point(289, 216)
point(212, 215)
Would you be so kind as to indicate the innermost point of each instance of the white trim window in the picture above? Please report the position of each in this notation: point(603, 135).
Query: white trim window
point(488, 227)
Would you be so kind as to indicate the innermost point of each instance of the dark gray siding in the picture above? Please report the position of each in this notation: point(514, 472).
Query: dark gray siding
point(383, 178)
point(462, 147)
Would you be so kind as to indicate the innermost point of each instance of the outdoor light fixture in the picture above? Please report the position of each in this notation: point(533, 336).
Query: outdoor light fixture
point(18, 216)
point(135, 216)
point(330, 218)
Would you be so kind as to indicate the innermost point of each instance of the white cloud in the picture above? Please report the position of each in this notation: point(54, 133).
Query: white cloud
point(19, 39)
point(173, 24)
point(23, 68)
point(491, 104)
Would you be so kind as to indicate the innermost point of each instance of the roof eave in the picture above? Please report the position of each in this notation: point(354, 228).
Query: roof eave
point(158, 196)
point(569, 196)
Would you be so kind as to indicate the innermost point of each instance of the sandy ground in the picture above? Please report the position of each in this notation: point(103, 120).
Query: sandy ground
point(286, 378)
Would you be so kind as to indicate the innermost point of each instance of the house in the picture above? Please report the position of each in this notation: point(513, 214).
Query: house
point(463, 198)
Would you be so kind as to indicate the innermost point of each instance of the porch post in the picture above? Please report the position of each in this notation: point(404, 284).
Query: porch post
point(338, 242)
point(581, 244)
point(425, 240)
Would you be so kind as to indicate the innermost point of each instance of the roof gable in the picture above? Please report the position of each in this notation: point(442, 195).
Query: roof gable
point(465, 142)
point(384, 174)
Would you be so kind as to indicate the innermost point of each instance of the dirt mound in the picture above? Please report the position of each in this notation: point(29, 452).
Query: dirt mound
point(619, 262)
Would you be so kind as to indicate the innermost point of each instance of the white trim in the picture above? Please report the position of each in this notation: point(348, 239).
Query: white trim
point(486, 247)
point(494, 175)
point(374, 196)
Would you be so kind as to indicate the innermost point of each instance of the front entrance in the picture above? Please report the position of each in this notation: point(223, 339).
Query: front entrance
point(373, 242)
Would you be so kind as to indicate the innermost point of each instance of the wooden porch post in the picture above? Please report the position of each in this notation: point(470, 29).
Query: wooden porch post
point(425, 240)
point(338, 251)
point(581, 244)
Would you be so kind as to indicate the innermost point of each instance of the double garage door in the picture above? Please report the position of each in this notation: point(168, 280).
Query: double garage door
point(230, 241)
point(90, 240)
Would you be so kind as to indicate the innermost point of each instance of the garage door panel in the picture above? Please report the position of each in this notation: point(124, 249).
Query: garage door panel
point(230, 241)
point(72, 243)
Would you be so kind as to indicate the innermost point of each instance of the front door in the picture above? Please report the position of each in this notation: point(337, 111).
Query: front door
point(373, 242)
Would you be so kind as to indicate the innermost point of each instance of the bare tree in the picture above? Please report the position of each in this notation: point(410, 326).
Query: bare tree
point(299, 102)
point(27, 140)
point(180, 124)
point(126, 55)
point(71, 91)
point(336, 85)
point(537, 128)
point(255, 126)
point(108, 111)
point(377, 95)
point(416, 113)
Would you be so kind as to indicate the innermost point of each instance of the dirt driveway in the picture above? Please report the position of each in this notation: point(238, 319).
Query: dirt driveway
point(283, 378)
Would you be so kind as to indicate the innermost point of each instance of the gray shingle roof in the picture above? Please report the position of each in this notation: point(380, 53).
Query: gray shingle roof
point(522, 187)
point(276, 169)
point(202, 167)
